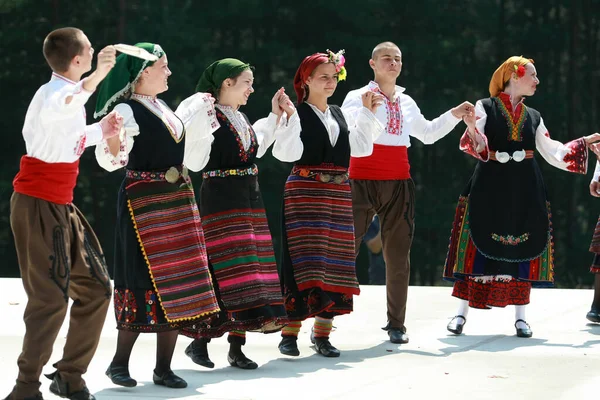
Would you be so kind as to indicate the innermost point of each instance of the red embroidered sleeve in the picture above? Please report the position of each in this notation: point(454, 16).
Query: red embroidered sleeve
point(577, 157)
point(468, 146)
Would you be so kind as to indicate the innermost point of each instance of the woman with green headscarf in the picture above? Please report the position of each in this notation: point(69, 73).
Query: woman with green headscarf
point(238, 240)
point(161, 275)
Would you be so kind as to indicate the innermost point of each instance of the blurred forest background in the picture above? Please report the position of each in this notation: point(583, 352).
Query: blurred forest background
point(450, 50)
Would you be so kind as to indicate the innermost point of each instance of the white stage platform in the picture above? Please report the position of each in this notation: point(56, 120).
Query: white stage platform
point(561, 361)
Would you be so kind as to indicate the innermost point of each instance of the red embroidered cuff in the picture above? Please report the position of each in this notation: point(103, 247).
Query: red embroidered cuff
point(577, 158)
point(468, 146)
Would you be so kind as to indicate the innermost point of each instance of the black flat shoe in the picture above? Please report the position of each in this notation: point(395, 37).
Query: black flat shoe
point(199, 355)
point(593, 316)
point(61, 389)
point(397, 336)
point(325, 348)
point(455, 326)
point(289, 346)
point(169, 379)
point(241, 361)
point(525, 332)
point(119, 375)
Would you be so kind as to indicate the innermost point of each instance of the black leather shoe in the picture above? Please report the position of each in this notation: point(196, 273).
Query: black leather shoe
point(199, 355)
point(119, 375)
point(397, 336)
point(593, 316)
point(456, 324)
point(324, 347)
point(241, 361)
point(169, 379)
point(525, 332)
point(289, 346)
point(61, 389)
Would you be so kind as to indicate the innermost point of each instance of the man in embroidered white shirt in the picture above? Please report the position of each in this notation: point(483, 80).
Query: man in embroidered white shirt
point(59, 254)
point(381, 182)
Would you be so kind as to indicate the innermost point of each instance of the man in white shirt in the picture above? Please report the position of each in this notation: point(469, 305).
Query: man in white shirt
point(381, 182)
point(59, 254)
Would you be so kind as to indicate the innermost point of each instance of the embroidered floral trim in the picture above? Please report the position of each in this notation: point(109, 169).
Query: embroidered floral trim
point(125, 306)
point(510, 240)
point(244, 152)
point(223, 173)
point(514, 127)
point(491, 278)
point(151, 316)
point(577, 157)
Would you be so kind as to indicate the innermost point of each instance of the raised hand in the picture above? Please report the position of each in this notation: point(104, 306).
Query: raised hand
point(275, 102)
point(464, 109)
point(111, 125)
point(377, 100)
point(469, 120)
point(287, 105)
point(592, 139)
point(369, 101)
point(106, 61)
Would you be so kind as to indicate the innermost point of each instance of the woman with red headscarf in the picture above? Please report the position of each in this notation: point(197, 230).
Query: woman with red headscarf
point(502, 241)
point(318, 265)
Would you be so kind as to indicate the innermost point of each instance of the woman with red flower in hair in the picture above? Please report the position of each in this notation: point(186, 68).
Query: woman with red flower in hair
point(318, 275)
point(501, 243)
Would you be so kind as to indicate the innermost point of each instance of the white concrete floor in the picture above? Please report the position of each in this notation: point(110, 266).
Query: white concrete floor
point(561, 361)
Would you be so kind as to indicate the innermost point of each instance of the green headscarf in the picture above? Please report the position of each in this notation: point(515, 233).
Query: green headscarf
point(217, 72)
point(126, 71)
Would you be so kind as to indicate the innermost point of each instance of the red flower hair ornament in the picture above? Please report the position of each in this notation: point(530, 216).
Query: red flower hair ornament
point(520, 70)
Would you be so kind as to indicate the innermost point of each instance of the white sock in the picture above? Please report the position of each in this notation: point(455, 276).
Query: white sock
point(463, 309)
point(520, 314)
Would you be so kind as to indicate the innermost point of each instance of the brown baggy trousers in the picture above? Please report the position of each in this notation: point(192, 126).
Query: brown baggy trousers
point(394, 202)
point(60, 258)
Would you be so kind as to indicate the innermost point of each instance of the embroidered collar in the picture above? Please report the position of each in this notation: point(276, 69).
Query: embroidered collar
point(375, 86)
point(56, 76)
point(505, 98)
point(243, 132)
point(515, 120)
point(143, 97)
point(164, 113)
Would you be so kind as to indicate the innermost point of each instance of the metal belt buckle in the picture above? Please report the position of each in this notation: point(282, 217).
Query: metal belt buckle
point(324, 178)
point(519, 155)
point(502, 157)
point(172, 175)
point(339, 178)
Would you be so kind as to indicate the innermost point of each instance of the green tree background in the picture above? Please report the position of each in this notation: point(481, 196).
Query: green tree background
point(450, 50)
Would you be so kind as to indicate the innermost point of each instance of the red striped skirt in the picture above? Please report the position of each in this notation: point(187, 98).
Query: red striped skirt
point(320, 230)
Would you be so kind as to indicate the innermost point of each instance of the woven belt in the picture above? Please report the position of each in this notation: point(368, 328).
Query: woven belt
point(517, 156)
point(320, 176)
point(172, 175)
point(222, 173)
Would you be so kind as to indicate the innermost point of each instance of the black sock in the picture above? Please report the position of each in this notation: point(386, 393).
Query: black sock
point(165, 346)
point(125, 342)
